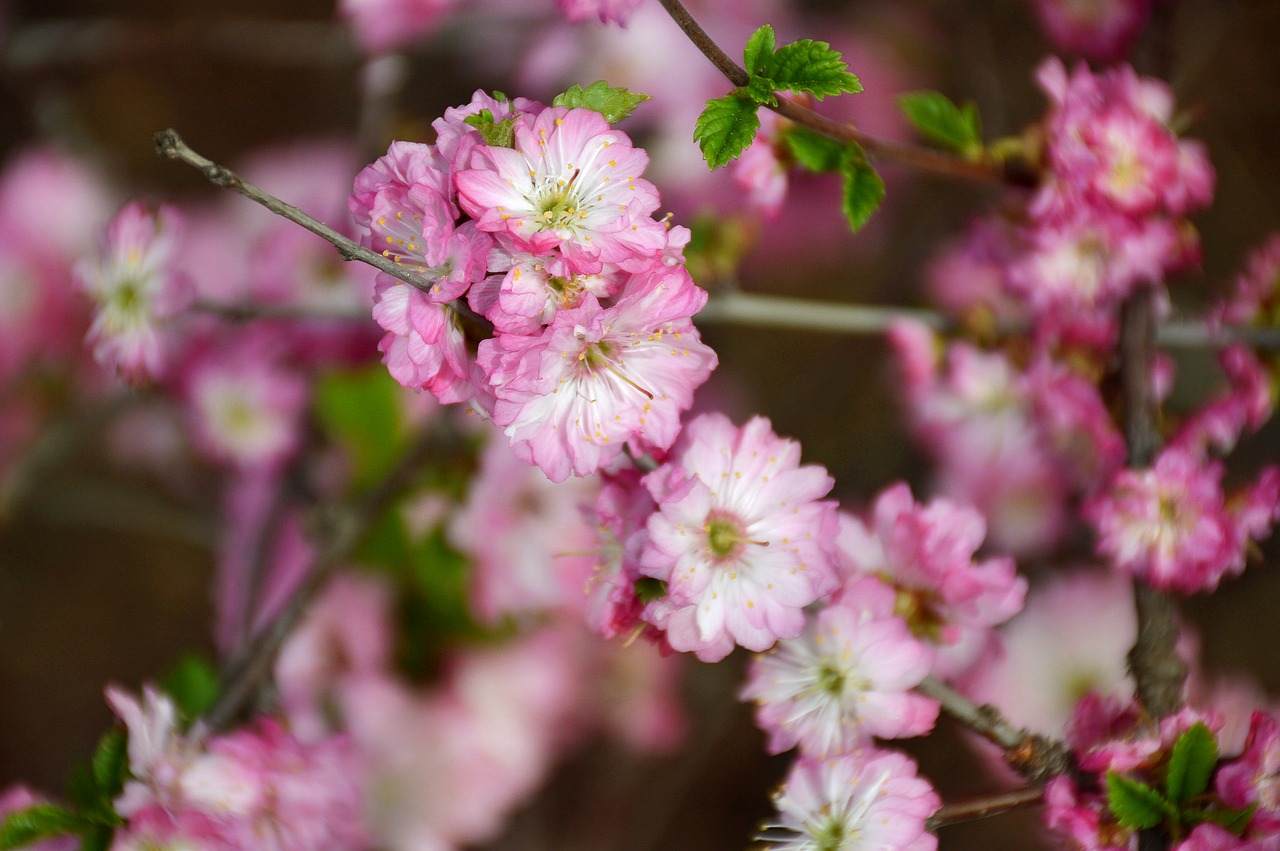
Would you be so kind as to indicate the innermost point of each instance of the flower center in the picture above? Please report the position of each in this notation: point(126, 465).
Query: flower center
point(558, 205)
point(831, 835)
point(726, 536)
point(830, 680)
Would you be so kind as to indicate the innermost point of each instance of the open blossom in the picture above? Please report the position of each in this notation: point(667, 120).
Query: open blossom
point(599, 377)
point(244, 403)
point(569, 182)
point(847, 679)
point(865, 800)
point(742, 537)
point(1169, 524)
point(136, 290)
point(925, 553)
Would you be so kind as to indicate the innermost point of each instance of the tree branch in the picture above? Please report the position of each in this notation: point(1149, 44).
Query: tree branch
point(985, 806)
point(1158, 673)
point(169, 146)
point(1033, 756)
point(926, 159)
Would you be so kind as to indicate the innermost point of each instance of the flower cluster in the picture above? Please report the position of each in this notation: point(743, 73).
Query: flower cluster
point(545, 226)
point(254, 788)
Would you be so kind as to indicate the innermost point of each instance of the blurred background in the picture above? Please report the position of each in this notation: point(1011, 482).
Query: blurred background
point(106, 570)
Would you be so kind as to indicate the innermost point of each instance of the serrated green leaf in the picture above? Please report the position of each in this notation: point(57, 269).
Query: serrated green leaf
point(34, 823)
point(497, 135)
point(938, 119)
point(1191, 763)
point(110, 762)
point(1135, 804)
point(360, 411)
point(193, 684)
point(760, 90)
point(863, 191)
point(814, 151)
point(1236, 821)
point(812, 67)
point(614, 103)
point(725, 128)
point(759, 50)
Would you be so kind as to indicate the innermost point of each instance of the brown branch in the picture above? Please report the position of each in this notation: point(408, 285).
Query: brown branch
point(925, 159)
point(169, 146)
point(1159, 674)
point(1033, 756)
point(985, 806)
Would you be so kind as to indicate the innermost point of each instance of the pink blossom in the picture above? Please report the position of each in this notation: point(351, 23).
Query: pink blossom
point(1245, 406)
point(1256, 291)
point(1254, 778)
point(533, 288)
point(846, 679)
point(570, 183)
point(528, 538)
point(622, 507)
point(424, 347)
point(741, 536)
point(762, 170)
point(136, 291)
point(600, 377)
point(1102, 30)
point(245, 402)
point(926, 554)
point(868, 799)
point(1168, 525)
point(607, 11)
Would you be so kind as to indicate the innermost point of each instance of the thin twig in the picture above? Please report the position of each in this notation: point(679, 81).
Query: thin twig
point(1158, 672)
point(1034, 756)
point(253, 666)
point(169, 145)
point(923, 158)
point(985, 806)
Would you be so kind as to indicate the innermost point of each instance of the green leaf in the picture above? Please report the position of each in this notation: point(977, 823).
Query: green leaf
point(193, 685)
point(760, 90)
point(812, 67)
point(24, 827)
point(1135, 804)
point(1191, 764)
point(110, 763)
point(614, 103)
point(759, 51)
point(814, 151)
point(1232, 819)
point(360, 411)
point(498, 135)
point(940, 120)
point(725, 128)
point(863, 191)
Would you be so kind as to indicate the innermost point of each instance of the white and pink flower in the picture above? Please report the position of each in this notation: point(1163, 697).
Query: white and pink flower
point(742, 538)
